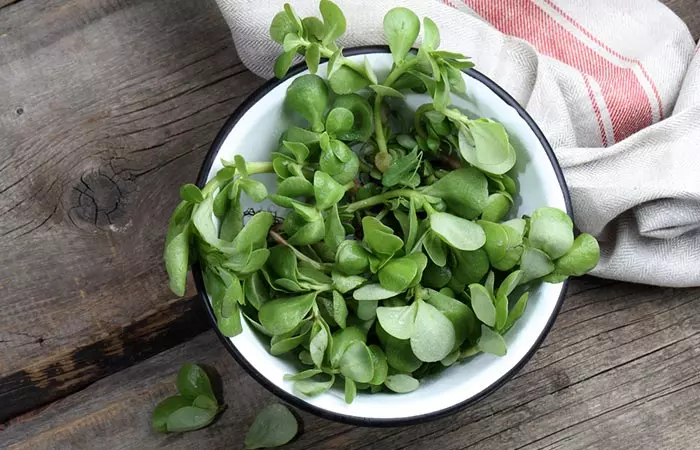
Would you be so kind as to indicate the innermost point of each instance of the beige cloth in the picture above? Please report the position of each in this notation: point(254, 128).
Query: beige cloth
point(613, 85)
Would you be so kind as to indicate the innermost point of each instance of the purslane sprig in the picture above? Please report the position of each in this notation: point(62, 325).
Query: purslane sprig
point(397, 256)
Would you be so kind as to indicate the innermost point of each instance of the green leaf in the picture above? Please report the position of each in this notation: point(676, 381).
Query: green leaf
point(342, 171)
point(339, 120)
point(283, 262)
point(501, 311)
point(401, 383)
point(319, 343)
point(333, 19)
point(283, 343)
point(451, 358)
point(496, 240)
point(341, 340)
point(312, 57)
point(455, 78)
point(346, 283)
point(313, 28)
point(496, 207)
point(274, 426)
point(379, 238)
point(485, 145)
point(291, 42)
point(204, 402)
point(509, 283)
point(552, 231)
point(398, 321)
point(346, 81)
point(253, 188)
point(177, 248)
point(421, 262)
point(192, 382)
point(356, 363)
point(191, 193)
point(350, 390)
point(489, 283)
point(284, 314)
point(399, 355)
point(482, 304)
point(379, 365)
point(431, 34)
point(256, 292)
point(435, 248)
point(582, 257)
point(386, 91)
point(340, 309)
point(361, 110)
point(401, 27)
point(165, 408)
point(294, 18)
point(302, 375)
point(335, 232)
point(465, 191)
point(254, 233)
point(311, 388)
point(298, 149)
point(295, 187)
point(457, 232)
point(351, 258)
point(189, 418)
point(327, 191)
point(516, 312)
point(401, 169)
point(412, 234)
point(462, 318)
point(283, 63)
point(398, 274)
point(281, 26)
point(491, 342)
point(308, 95)
point(309, 234)
point(433, 334)
point(373, 292)
point(435, 276)
point(535, 264)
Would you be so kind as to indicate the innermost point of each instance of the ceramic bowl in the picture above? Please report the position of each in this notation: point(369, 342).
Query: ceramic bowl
point(253, 131)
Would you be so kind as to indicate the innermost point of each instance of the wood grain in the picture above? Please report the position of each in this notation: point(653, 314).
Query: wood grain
point(107, 107)
point(618, 371)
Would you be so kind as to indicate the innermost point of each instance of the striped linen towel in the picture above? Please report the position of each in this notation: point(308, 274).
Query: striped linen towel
point(615, 86)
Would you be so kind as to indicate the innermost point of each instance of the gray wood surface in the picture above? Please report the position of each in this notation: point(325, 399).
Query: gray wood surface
point(106, 107)
point(618, 371)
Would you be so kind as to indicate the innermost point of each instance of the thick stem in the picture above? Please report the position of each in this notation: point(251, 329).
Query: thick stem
point(315, 264)
point(381, 198)
point(383, 157)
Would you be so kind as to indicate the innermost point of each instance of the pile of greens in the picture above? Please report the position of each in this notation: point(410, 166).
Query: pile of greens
point(396, 257)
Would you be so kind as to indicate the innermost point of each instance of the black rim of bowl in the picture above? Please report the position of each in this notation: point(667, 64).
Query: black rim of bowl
point(300, 402)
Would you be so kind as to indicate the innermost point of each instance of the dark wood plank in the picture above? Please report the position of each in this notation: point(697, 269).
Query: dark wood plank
point(107, 107)
point(619, 370)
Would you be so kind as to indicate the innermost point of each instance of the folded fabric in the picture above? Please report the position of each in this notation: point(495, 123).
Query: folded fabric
point(613, 85)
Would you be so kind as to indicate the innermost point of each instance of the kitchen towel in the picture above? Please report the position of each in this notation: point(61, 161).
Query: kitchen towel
point(615, 87)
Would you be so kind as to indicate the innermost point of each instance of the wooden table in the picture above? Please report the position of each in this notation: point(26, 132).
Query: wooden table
point(106, 107)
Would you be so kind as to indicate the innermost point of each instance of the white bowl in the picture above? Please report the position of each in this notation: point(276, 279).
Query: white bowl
point(253, 131)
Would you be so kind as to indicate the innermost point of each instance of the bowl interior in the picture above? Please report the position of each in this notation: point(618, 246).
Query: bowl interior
point(255, 136)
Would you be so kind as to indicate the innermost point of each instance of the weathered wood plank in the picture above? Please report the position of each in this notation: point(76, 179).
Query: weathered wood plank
point(46, 380)
point(107, 107)
point(619, 370)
